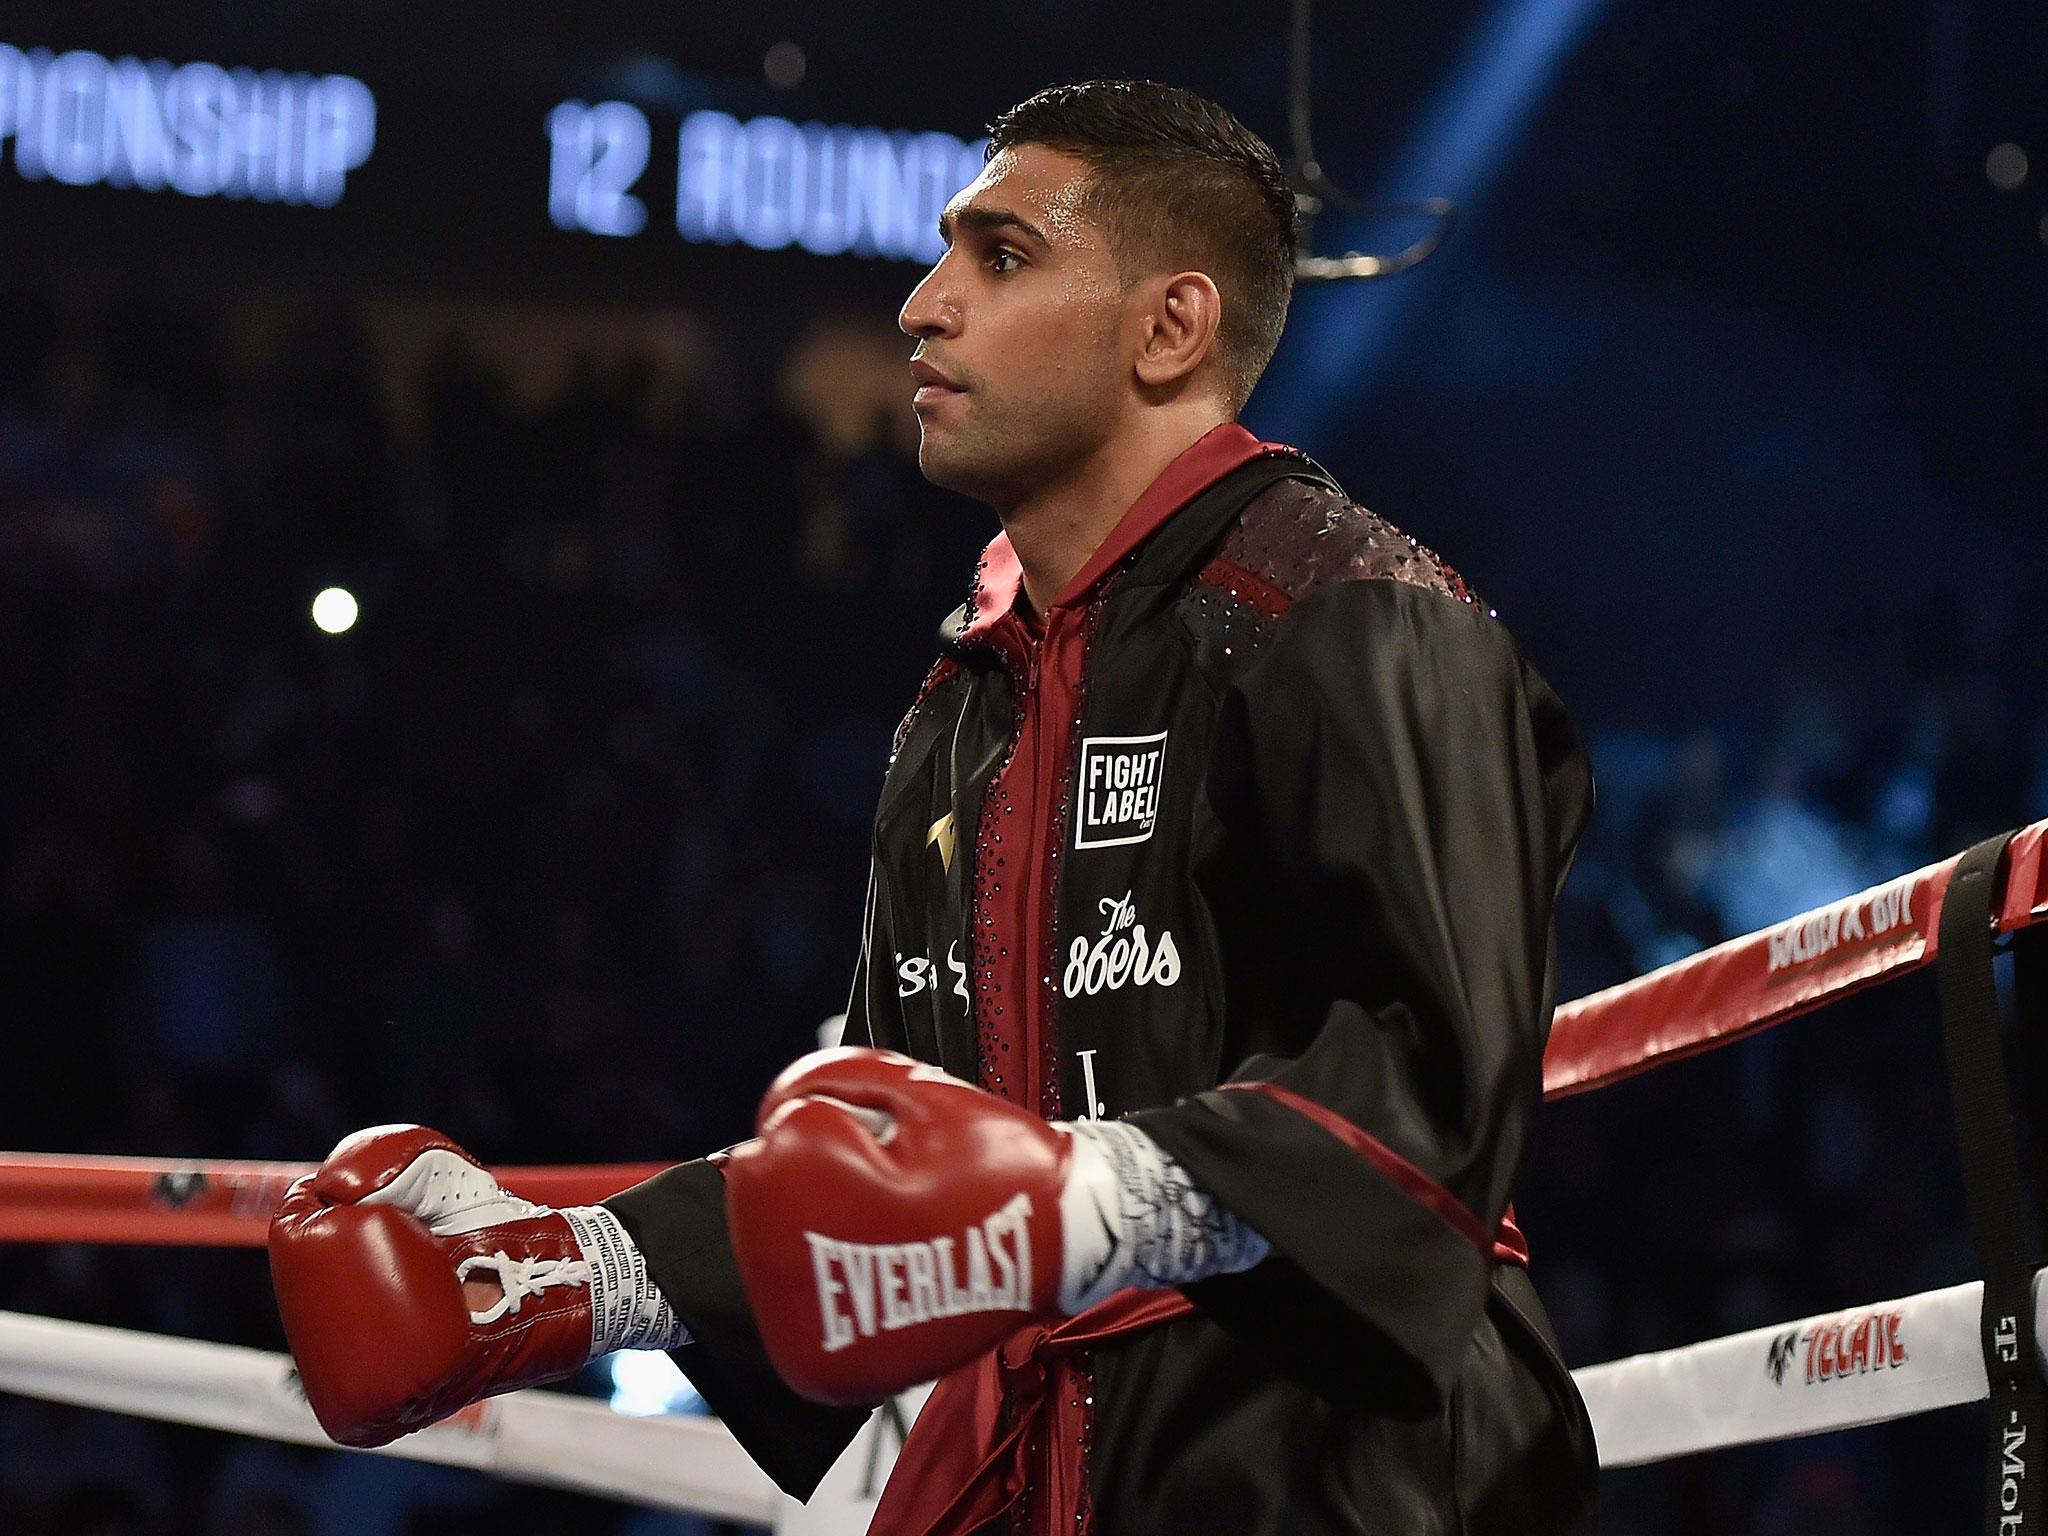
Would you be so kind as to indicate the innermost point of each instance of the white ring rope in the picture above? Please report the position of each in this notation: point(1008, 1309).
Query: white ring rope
point(1835, 1370)
point(527, 1437)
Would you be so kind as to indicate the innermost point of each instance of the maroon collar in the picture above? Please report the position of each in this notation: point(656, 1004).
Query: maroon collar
point(1000, 577)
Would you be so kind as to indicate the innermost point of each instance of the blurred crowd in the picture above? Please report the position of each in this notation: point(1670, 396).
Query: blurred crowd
point(561, 847)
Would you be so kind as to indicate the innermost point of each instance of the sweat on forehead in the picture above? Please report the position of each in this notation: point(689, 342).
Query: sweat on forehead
point(1039, 193)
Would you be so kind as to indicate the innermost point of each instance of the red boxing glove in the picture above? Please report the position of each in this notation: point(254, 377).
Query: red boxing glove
point(892, 1222)
point(371, 1256)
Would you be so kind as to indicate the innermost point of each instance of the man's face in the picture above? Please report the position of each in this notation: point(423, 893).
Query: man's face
point(1020, 328)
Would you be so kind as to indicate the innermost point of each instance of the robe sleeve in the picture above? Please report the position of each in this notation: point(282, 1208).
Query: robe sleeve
point(678, 1220)
point(1395, 798)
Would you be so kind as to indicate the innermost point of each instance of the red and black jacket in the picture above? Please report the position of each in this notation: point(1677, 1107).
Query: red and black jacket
point(1255, 841)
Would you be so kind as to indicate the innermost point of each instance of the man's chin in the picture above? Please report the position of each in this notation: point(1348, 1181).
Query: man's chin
point(952, 465)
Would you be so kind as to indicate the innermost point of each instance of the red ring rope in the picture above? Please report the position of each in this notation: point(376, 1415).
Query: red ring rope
point(1712, 998)
point(1764, 978)
point(51, 1198)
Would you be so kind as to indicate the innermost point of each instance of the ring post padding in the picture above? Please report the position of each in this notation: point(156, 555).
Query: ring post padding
point(1992, 1192)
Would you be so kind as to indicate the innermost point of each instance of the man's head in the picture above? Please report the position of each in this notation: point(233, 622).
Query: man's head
point(1127, 245)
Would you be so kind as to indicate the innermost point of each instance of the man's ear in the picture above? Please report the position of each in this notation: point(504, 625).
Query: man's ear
point(1180, 328)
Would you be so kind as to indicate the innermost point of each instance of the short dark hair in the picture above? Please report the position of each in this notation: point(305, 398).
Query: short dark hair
point(1178, 182)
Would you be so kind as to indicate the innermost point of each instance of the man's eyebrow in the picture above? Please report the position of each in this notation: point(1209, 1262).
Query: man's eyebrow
point(988, 221)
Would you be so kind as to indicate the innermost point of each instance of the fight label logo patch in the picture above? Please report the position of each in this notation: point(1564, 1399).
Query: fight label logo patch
point(1119, 782)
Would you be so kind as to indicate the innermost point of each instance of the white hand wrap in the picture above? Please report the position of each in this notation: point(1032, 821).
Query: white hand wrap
point(627, 1309)
point(1132, 1216)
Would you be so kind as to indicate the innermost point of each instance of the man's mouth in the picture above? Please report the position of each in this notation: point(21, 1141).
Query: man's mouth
point(932, 384)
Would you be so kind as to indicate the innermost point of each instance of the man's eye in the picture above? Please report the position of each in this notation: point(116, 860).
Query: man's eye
point(1015, 261)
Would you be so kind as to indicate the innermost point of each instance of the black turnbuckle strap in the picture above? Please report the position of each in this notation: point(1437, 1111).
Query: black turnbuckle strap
point(2030, 1027)
point(1993, 1193)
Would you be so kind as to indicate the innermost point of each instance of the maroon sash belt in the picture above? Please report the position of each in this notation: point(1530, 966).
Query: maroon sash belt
point(963, 1464)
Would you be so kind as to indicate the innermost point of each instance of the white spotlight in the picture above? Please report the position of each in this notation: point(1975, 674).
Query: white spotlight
point(334, 610)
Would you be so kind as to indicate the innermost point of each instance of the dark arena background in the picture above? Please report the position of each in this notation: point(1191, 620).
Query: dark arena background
point(462, 559)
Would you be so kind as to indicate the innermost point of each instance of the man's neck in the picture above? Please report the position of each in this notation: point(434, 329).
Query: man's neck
point(1057, 528)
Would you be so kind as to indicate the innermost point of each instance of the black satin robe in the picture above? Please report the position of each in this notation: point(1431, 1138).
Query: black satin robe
point(1270, 728)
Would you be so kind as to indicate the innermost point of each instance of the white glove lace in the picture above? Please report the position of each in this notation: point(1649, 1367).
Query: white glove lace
point(454, 1197)
point(1132, 1216)
point(520, 1278)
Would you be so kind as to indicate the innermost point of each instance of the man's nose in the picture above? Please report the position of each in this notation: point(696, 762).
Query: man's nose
point(929, 311)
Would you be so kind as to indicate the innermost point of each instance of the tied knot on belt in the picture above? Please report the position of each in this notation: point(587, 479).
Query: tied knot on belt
point(1011, 1421)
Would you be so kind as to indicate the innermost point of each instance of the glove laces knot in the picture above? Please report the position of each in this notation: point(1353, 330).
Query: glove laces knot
point(521, 1278)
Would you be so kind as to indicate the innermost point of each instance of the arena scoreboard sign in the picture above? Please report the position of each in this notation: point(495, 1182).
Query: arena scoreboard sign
point(767, 182)
point(82, 119)
point(411, 161)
